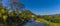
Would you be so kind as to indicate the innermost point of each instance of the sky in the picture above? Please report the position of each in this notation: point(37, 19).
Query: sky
point(41, 7)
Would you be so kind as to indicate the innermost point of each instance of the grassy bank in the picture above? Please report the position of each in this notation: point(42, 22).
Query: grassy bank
point(47, 22)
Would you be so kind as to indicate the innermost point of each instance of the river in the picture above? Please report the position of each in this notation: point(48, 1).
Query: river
point(32, 23)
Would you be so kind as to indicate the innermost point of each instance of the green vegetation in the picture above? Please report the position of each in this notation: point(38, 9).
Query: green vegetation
point(10, 17)
point(49, 20)
point(19, 16)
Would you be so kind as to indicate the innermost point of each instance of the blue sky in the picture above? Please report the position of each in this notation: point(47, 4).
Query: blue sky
point(42, 7)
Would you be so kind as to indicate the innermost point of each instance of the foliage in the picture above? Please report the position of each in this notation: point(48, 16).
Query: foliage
point(14, 17)
point(50, 20)
point(19, 16)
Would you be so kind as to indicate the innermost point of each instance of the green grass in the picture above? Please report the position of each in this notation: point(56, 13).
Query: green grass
point(47, 22)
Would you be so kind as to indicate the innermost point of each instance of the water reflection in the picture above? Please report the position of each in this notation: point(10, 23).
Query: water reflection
point(32, 23)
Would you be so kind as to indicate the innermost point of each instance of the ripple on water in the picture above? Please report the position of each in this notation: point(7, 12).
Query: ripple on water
point(32, 23)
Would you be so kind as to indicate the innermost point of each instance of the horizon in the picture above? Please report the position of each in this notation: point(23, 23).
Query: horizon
point(41, 7)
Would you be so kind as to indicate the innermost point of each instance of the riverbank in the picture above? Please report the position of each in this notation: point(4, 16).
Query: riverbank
point(46, 22)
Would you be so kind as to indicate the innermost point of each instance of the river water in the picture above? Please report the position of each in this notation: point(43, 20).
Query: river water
point(32, 23)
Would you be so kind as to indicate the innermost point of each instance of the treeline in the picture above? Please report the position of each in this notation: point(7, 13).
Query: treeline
point(51, 18)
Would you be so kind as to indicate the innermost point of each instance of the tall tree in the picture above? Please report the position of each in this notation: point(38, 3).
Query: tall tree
point(0, 4)
point(16, 6)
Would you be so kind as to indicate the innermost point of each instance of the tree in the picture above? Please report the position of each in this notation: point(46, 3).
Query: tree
point(14, 16)
point(16, 6)
point(26, 15)
point(1, 4)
